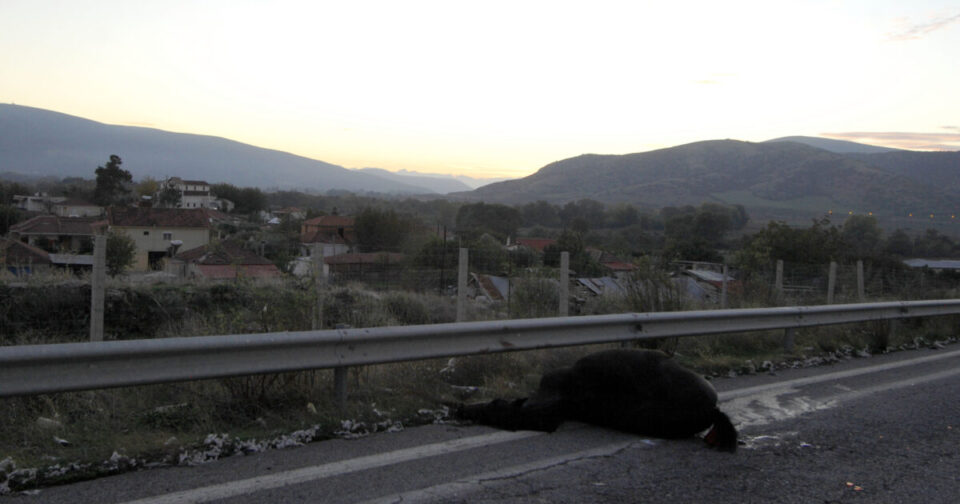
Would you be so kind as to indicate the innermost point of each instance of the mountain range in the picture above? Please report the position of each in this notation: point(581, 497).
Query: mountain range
point(40, 142)
point(790, 178)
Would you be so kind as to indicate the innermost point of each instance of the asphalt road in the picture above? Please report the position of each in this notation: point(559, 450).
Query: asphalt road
point(882, 429)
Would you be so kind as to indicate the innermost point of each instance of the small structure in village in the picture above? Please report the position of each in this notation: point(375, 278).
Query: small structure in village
point(221, 261)
point(161, 232)
point(57, 234)
point(333, 234)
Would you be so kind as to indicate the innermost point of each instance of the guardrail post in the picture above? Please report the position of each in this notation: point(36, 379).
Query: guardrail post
point(340, 386)
point(97, 281)
point(340, 377)
point(861, 294)
point(564, 283)
point(788, 339)
point(831, 282)
point(462, 285)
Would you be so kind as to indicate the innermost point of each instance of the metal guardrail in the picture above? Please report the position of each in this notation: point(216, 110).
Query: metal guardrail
point(35, 369)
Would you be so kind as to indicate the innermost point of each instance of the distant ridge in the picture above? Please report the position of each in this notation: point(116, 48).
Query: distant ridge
point(785, 180)
point(838, 146)
point(437, 184)
point(42, 142)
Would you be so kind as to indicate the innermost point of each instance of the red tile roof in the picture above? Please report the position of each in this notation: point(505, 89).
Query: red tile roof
point(226, 253)
point(322, 237)
point(56, 225)
point(14, 252)
point(537, 244)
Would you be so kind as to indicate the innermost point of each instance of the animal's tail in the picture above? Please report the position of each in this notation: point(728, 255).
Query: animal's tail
point(723, 435)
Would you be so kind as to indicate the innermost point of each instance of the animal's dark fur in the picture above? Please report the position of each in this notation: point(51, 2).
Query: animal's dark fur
point(638, 391)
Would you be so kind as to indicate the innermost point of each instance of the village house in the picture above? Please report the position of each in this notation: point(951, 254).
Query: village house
point(160, 232)
point(333, 234)
point(537, 244)
point(611, 262)
point(73, 207)
point(62, 206)
point(57, 234)
point(294, 213)
point(196, 194)
point(221, 261)
point(20, 258)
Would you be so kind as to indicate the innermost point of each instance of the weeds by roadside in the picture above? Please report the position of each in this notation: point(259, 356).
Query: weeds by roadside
point(57, 438)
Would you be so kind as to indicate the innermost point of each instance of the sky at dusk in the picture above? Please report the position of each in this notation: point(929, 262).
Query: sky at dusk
point(492, 88)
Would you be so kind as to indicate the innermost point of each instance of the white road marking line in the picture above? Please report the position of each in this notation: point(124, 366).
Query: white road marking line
point(799, 382)
point(302, 475)
point(295, 476)
point(473, 483)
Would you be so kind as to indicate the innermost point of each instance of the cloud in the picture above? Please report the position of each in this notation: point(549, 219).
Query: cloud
point(904, 140)
point(917, 31)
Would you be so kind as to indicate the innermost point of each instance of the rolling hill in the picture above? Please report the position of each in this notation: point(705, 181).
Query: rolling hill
point(41, 142)
point(779, 179)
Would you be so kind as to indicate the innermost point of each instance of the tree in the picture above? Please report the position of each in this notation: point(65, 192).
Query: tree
point(862, 235)
point(818, 244)
point(899, 243)
point(591, 211)
point(169, 197)
point(121, 251)
point(623, 215)
point(477, 219)
point(112, 183)
point(9, 215)
point(379, 230)
point(148, 186)
point(540, 213)
point(248, 200)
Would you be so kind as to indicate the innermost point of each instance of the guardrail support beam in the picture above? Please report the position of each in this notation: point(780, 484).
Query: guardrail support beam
point(788, 339)
point(340, 386)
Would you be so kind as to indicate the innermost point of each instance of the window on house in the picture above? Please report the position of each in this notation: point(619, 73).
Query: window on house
point(167, 236)
point(146, 233)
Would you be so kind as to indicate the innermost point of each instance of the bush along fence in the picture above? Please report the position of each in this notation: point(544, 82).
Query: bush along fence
point(325, 297)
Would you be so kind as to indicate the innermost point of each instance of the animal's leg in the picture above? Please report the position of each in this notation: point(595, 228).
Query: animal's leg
point(520, 414)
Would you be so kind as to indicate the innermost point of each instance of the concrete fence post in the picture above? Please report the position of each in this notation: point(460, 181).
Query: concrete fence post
point(778, 283)
point(97, 287)
point(831, 282)
point(861, 291)
point(462, 269)
point(316, 257)
point(723, 288)
point(564, 283)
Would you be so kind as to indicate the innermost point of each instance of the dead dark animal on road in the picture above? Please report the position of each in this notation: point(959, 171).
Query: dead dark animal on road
point(639, 391)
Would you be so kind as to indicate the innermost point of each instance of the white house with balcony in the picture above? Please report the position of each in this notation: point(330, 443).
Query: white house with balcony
point(193, 193)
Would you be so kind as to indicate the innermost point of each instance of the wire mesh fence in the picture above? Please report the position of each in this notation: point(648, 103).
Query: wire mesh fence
point(396, 289)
